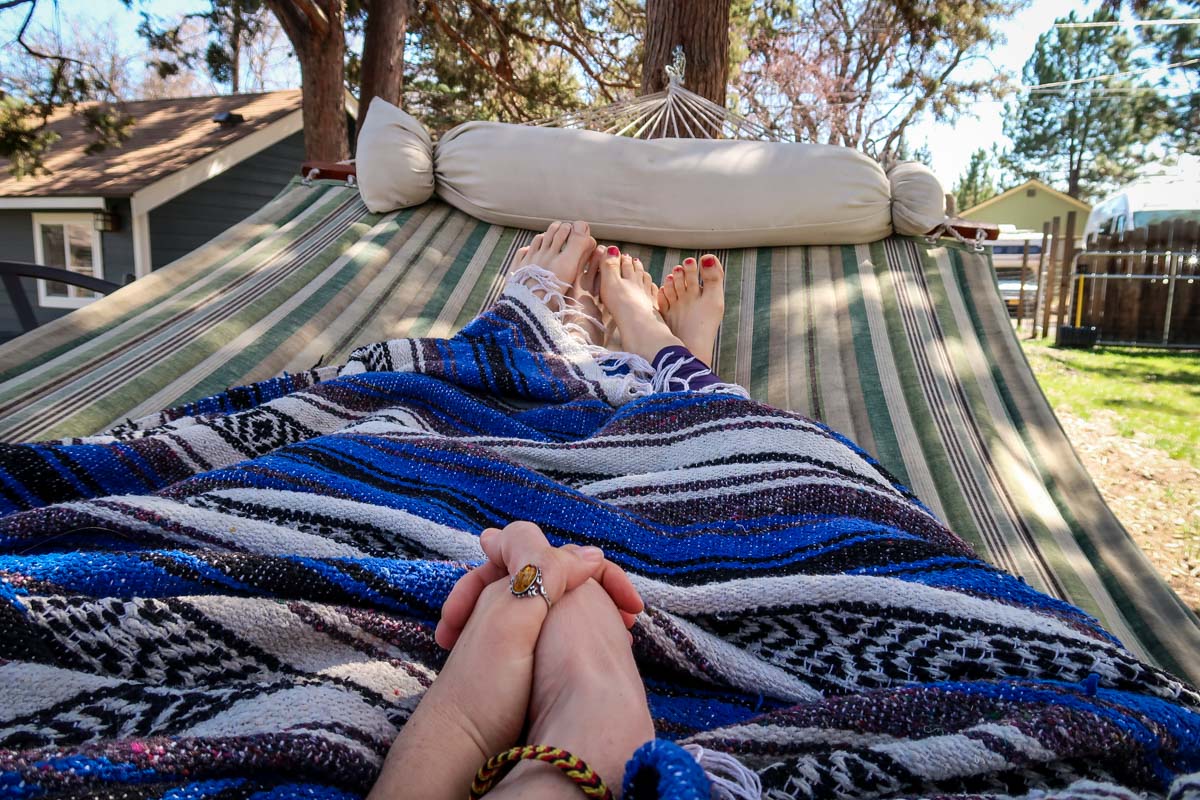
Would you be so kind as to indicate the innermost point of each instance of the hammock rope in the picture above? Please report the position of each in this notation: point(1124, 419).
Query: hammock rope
point(675, 111)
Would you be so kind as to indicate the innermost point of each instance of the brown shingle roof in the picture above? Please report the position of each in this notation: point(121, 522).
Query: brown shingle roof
point(167, 136)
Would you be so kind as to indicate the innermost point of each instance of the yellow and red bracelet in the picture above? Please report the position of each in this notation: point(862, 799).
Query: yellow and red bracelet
point(573, 767)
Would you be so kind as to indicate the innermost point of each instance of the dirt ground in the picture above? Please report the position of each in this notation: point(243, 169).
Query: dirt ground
point(1156, 497)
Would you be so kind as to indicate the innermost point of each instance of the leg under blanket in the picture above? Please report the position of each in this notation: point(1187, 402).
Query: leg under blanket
point(236, 598)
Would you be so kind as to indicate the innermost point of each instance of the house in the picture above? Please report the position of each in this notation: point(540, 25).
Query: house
point(1028, 207)
point(191, 168)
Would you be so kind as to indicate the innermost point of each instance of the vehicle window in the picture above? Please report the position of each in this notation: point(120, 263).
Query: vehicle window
point(1143, 218)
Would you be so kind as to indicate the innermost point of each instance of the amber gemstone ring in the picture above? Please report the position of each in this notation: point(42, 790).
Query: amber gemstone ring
point(527, 582)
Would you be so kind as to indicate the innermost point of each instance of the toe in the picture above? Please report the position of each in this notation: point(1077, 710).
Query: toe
point(691, 275)
point(521, 258)
point(669, 290)
point(580, 244)
point(712, 270)
point(533, 254)
point(678, 278)
point(627, 270)
point(561, 234)
point(610, 261)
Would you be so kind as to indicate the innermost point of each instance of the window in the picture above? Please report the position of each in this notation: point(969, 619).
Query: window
point(66, 241)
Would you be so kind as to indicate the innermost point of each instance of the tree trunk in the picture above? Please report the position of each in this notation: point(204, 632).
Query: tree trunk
point(317, 31)
point(702, 28)
point(235, 59)
point(383, 53)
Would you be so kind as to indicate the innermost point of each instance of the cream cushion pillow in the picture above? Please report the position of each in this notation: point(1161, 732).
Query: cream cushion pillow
point(689, 193)
point(918, 202)
point(394, 159)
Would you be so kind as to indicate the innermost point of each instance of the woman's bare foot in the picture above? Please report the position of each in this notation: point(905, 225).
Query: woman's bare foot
point(626, 296)
point(587, 696)
point(562, 249)
point(693, 311)
point(586, 293)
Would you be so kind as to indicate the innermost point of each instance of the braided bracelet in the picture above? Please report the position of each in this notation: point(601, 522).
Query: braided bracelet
point(573, 767)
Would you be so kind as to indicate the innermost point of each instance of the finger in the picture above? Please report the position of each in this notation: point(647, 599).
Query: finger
point(522, 543)
point(618, 586)
point(461, 602)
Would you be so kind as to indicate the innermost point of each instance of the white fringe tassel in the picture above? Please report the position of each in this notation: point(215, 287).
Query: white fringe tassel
point(636, 381)
point(640, 378)
point(731, 779)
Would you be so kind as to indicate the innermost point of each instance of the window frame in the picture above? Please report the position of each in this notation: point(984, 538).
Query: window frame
point(66, 218)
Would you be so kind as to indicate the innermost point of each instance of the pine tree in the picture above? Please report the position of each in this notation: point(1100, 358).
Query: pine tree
point(977, 183)
point(1089, 125)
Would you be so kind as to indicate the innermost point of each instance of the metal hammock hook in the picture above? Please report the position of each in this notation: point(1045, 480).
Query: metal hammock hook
point(677, 66)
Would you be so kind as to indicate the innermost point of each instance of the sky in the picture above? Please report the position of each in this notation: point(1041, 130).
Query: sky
point(951, 145)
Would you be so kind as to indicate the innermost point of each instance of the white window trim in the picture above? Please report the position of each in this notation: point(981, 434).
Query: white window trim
point(85, 219)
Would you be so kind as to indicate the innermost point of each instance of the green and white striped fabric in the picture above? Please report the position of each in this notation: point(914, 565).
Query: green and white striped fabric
point(903, 346)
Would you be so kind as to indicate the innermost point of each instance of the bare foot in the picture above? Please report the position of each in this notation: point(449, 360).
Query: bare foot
point(693, 311)
point(587, 696)
point(563, 249)
point(586, 292)
point(624, 292)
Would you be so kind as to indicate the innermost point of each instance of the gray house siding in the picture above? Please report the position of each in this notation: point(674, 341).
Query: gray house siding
point(16, 244)
point(118, 246)
point(179, 226)
point(16, 238)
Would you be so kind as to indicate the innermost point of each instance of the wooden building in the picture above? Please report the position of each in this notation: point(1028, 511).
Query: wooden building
point(1028, 206)
point(191, 168)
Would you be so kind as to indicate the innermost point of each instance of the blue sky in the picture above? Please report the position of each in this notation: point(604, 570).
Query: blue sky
point(950, 144)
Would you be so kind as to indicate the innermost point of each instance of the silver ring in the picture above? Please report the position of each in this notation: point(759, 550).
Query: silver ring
point(529, 579)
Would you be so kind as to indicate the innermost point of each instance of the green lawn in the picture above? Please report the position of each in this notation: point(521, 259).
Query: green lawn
point(1156, 392)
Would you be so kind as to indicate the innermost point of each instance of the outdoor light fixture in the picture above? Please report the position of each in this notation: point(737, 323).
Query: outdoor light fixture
point(228, 119)
point(106, 221)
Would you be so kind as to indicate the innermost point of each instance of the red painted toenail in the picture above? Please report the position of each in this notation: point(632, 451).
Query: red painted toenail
point(689, 261)
point(614, 250)
point(709, 261)
point(670, 277)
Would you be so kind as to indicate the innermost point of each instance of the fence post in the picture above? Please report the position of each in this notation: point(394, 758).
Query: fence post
point(1021, 291)
point(1166, 337)
point(1068, 263)
point(1048, 295)
point(1041, 281)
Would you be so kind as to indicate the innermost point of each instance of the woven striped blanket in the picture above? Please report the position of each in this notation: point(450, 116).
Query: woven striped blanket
point(236, 597)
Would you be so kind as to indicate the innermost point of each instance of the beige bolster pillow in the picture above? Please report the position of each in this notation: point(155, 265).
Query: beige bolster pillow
point(687, 193)
point(394, 159)
point(918, 201)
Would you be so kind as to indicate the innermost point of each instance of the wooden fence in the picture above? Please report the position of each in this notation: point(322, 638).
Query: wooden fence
point(1140, 287)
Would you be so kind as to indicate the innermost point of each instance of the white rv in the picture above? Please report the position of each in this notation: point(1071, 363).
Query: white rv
point(1155, 198)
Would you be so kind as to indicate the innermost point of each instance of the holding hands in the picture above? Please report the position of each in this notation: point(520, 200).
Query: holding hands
point(554, 661)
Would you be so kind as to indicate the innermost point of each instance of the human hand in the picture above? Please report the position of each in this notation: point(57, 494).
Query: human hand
point(563, 569)
point(477, 705)
point(587, 696)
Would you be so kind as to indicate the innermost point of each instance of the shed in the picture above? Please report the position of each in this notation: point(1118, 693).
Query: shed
point(191, 168)
point(1028, 206)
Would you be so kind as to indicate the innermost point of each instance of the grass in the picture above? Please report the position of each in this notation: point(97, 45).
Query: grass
point(1155, 392)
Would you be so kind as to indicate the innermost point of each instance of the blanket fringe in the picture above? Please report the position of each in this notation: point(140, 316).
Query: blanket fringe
point(635, 373)
point(731, 779)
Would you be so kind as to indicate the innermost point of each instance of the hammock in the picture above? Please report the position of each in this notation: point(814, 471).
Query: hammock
point(903, 346)
point(235, 598)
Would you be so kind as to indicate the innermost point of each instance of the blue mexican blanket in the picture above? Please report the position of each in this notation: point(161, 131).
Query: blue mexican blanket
point(236, 598)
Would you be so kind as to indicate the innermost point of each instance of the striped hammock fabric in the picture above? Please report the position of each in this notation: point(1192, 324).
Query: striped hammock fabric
point(904, 347)
point(235, 598)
